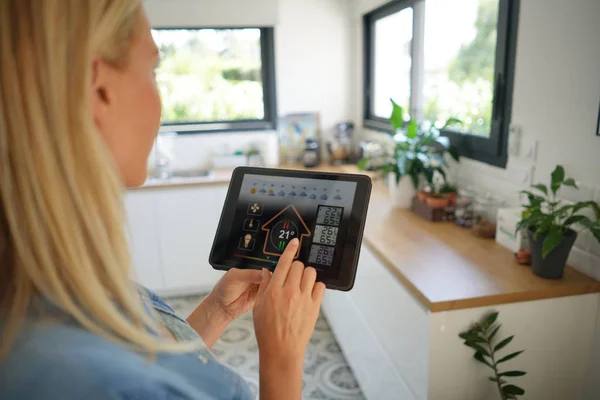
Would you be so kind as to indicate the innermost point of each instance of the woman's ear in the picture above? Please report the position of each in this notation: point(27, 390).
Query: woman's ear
point(100, 91)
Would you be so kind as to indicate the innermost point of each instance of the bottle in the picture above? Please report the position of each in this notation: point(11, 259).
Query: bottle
point(311, 156)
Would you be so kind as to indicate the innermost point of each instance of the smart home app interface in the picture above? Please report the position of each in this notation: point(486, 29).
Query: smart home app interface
point(271, 211)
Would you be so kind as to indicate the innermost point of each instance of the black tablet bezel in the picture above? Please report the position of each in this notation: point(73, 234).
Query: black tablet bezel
point(356, 225)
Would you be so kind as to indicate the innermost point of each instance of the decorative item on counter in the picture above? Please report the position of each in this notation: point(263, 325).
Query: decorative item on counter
point(254, 157)
point(437, 214)
point(438, 200)
point(418, 155)
point(374, 153)
point(463, 210)
point(340, 148)
point(451, 191)
point(424, 194)
point(485, 211)
point(293, 130)
point(480, 337)
point(523, 256)
point(506, 235)
point(551, 224)
point(311, 157)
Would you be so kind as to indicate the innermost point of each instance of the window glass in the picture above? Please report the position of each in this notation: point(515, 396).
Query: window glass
point(459, 61)
point(392, 62)
point(208, 75)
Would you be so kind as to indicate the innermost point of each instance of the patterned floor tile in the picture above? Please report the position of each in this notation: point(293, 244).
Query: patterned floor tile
point(327, 376)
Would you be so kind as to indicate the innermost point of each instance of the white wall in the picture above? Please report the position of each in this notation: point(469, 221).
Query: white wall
point(312, 61)
point(212, 13)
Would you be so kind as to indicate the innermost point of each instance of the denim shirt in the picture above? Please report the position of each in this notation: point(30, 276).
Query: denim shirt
point(61, 360)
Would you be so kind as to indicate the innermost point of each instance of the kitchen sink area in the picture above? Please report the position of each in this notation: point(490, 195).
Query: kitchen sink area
point(181, 176)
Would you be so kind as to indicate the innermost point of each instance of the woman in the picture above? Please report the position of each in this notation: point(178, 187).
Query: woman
point(79, 111)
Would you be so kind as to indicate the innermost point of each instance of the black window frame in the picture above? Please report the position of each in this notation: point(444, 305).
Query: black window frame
point(492, 150)
point(269, 122)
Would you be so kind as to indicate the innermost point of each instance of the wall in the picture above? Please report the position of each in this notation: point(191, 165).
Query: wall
point(312, 62)
point(221, 13)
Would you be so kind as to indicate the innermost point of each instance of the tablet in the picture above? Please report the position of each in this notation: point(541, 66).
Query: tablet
point(266, 208)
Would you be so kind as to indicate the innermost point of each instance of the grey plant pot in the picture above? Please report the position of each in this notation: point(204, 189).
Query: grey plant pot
point(553, 266)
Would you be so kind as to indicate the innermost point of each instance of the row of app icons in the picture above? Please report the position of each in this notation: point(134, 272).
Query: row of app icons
point(281, 193)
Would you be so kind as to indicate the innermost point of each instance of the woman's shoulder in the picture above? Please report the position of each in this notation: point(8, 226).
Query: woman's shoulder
point(65, 360)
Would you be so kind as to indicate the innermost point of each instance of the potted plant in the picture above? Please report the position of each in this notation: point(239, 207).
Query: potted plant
point(438, 200)
point(451, 191)
point(419, 153)
point(551, 225)
point(481, 338)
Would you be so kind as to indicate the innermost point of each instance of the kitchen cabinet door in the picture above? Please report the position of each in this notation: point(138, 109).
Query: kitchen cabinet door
point(187, 220)
point(142, 235)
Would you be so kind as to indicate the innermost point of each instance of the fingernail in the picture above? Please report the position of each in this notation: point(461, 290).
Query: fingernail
point(295, 242)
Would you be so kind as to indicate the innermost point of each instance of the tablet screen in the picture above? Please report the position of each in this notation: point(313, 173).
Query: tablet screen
point(272, 210)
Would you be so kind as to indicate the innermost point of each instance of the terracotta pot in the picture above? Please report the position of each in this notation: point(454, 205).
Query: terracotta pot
point(422, 196)
point(452, 198)
point(437, 202)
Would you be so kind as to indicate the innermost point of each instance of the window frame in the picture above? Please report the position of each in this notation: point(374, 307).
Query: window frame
point(492, 150)
point(269, 122)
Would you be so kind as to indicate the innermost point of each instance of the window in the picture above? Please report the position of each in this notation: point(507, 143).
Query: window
point(216, 79)
point(443, 59)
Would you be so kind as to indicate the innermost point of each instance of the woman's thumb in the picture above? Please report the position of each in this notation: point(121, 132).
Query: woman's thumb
point(246, 275)
point(266, 278)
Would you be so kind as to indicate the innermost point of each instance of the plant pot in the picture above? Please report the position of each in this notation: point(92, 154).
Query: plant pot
point(553, 266)
point(422, 195)
point(401, 193)
point(452, 198)
point(437, 202)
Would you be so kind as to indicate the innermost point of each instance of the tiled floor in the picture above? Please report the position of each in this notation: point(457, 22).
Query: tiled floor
point(326, 373)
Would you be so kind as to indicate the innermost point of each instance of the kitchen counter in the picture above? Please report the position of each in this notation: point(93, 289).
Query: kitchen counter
point(444, 266)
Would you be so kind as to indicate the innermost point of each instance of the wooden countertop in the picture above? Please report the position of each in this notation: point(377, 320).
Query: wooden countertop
point(447, 268)
point(444, 266)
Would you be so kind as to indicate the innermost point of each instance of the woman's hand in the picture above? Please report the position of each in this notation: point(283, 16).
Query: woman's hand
point(285, 313)
point(231, 297)
point(236, 291)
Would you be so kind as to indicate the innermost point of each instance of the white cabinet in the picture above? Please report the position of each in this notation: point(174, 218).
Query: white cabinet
point(187, 221)
point(383, 333)
point(171, 235)
point(142, 235)
point(399, 350)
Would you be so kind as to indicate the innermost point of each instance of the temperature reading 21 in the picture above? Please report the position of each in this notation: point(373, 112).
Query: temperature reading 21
point(287, 235)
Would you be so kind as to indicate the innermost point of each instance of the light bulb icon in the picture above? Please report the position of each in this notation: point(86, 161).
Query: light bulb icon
point(247, 240)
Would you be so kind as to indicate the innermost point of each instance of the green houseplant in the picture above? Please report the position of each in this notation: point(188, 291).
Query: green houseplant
point(551, 224)
point(481, 338)
point(419, 153)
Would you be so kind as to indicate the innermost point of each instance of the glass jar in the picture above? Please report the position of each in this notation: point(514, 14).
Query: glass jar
point(463, 209)
point(485, 212)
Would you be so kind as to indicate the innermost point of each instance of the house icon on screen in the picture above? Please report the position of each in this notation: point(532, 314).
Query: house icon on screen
point(283, 227)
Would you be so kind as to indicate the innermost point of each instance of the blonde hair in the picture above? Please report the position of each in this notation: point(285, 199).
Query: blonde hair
point(61, 211)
